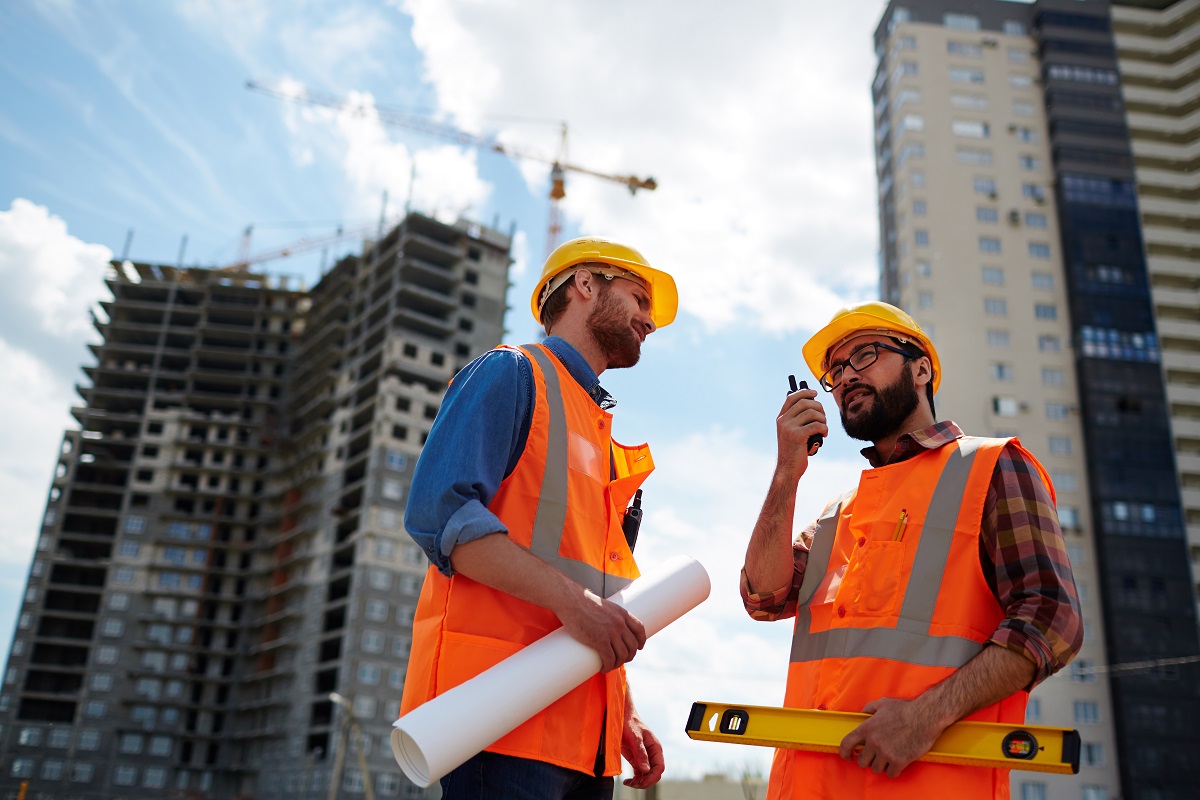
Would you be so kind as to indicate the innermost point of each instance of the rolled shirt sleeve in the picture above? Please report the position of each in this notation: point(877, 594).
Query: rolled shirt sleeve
point(780, 603)
point(1025, 561)
point(474, 443)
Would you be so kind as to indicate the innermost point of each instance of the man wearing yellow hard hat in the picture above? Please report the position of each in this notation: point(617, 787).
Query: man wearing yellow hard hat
point(937, 589)
point(521, 485)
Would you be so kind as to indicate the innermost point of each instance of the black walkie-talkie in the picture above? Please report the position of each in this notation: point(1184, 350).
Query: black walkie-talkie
point(633, 520)
point(816, 440)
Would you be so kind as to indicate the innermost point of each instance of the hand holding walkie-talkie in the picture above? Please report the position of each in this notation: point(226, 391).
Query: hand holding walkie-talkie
point(816, 439)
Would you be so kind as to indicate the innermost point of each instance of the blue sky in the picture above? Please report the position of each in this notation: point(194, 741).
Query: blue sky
point(755, 120)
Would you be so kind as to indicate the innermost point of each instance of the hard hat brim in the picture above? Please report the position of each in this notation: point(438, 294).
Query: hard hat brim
point(664, 296)
point(861, 324)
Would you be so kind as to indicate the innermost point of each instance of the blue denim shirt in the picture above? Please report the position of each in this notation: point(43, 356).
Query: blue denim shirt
point(474, 444)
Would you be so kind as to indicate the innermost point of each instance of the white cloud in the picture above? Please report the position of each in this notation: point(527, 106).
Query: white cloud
point(48, 271)
point(755, 120)
point(51, 280)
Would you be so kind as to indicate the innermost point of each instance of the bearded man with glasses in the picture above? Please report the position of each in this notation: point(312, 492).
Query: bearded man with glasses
point(936, 590)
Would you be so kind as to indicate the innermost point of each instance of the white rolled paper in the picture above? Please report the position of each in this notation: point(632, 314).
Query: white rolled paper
point(434, 738)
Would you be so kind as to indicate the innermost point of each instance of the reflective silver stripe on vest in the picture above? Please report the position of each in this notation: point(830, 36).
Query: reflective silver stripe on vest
point(821, 549)
point(910, 641)
point(551, 517)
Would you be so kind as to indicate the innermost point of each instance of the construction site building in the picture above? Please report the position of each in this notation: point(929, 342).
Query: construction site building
point(221, 597)
point(1010, 229)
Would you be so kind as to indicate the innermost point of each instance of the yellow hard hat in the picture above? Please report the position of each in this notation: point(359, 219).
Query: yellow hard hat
point(869, 317)
point(664, 297)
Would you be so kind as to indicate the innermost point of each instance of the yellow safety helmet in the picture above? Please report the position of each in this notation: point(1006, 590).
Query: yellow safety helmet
point(869, 317)
point(627, 263)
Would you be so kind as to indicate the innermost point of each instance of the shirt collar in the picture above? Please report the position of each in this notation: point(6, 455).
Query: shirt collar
point(580, 370)
point(914, 442)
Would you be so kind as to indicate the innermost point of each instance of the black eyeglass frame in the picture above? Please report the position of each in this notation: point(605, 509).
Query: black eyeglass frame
point(872, 347)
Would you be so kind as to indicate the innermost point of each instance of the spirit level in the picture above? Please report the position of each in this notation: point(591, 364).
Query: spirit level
point(974, 744)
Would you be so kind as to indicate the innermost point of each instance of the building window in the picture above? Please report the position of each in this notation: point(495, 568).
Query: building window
point(1068, 517)
point(962, 75)
point(81, 772)
point(1057, 410)
point(1006, 406)
point(919, 209)
point(377, 610)
point(1052, 376)
point(974, 102)
point(1033, 711)
point(1092, 755)
point(125, 775)
point(129, 549)
point(1032, 191)
point(921, 238)
point(59, 737)
point(1094, 793)
point(1077, 74)
point(984, 186)
point(1035, 220)
point(364, 707)
point(961, 22)
point(385, 549)
point(1045, 311)
point(995, 306)
point(917, 178)
point(154, 778)
point(1039, 250)
point(389, 785)
point(1033, 791)
point(997, 338)
point(1030, 163)
point(1022, 108)
point(1087, 712)
point(372, 642)
point(985, 214)
point(135, 524)
point(911, 122)
point(22, 768)
point(123, 575)
point(989, 244)
point(1001, 371)
point(368, 674)
point(89, 740)
point(388, 519)
point(1043, 280)
point(1060, 445)
point(95, 709)
point(396, 678)
point(52, 769)
point(379, 579)
point(102, 681)
point(925, 300)
point(924, 269)
point(970, 155)
point(1049, 344)
point(130, 743)
point(1083, 671)
point(965, 49)
point(160, 746)
point(392, 489)
point(972, 129)
point(30, 737)
point(1020, 81)
point(396, 460)
point(1018, 55)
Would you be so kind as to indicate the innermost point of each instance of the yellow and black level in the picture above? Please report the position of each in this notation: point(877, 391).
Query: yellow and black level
point(974, 744)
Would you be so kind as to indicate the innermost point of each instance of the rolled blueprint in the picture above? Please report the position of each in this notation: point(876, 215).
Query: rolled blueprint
point(434, 738)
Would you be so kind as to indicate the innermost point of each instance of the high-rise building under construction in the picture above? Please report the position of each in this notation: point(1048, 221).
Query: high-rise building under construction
point(1010, 228)
point(220, 600)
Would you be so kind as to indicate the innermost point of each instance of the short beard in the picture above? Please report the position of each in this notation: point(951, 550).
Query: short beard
point(893, 405)
point(613, 331)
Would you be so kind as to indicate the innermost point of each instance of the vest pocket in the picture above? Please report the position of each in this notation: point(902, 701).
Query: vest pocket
point(873, 578)
point(464, 656)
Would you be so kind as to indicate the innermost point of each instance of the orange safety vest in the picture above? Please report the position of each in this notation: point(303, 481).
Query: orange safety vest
point(885, 617)
point(561, 502)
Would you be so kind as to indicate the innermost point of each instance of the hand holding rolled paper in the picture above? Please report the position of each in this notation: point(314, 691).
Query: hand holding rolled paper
point(434, 738)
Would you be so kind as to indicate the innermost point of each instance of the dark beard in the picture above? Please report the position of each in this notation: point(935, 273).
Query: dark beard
point(893, 405)
point(613, 331)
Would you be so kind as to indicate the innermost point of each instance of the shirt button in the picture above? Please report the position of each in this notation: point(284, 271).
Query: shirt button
point(614, 556)
point(841, 611)
point(821, 707)
point(600, 424)
point(862, 541)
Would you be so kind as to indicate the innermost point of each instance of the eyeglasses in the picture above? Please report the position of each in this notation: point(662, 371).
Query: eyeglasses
point(860, 359)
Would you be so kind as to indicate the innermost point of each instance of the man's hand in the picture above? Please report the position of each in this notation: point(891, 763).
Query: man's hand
point(897, 734)
point(605, 627)
point(642, 750)
point(800, 418)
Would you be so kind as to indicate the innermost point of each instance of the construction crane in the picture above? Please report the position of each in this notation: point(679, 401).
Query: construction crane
point(559, 166)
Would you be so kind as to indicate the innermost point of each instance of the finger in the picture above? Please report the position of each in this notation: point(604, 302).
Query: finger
point(853, 739)
point(639, 630)
point(879, 765)
point(871, 707)
point(894, 771)
point(865, 758)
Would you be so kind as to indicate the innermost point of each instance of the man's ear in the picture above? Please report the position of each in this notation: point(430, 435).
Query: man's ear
point(924, 371)
point(583, 282)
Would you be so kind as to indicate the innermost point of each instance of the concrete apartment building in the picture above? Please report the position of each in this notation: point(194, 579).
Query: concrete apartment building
point(1010, 230)
point(220, 600)
point(1158, 47)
